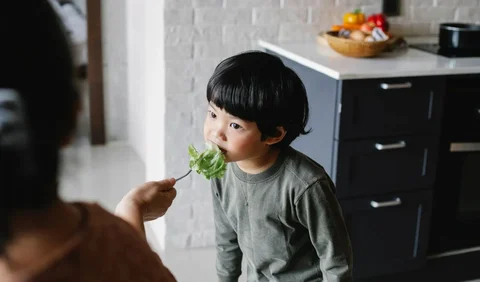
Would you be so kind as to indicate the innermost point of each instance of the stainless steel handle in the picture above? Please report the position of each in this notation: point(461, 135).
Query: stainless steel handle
point(383, 147)
point(478, 111)
point(377, 205)
point(464, 147)
point(388, 86)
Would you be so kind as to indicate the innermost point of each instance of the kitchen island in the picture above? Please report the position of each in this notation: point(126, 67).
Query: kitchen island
point(378, 128)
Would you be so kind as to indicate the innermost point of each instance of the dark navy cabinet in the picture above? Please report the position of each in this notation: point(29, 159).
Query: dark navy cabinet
point(378, 140)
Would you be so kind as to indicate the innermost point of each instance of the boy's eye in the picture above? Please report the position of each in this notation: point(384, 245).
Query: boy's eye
point(212, 114)
point(235, 125)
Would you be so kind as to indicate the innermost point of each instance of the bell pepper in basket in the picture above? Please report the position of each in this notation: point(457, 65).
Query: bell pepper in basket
point(355, 18)
point(380, 21)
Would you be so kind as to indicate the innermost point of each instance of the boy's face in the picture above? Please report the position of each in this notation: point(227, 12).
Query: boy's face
point(239, 139)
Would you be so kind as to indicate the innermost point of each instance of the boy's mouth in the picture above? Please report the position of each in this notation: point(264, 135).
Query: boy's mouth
point(221, 149)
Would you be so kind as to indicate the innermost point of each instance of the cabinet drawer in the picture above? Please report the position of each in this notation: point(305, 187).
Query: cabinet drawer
point(385, 165)
point(388, 233)
point(389, 107)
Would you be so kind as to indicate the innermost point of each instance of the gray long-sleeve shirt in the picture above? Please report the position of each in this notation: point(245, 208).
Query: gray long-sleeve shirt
point(286, 221)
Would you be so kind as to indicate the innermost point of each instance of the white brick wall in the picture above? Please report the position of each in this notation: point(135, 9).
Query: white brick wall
point(200, 33)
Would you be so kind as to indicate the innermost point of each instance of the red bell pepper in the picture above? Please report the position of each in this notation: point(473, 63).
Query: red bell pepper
point(380, 21)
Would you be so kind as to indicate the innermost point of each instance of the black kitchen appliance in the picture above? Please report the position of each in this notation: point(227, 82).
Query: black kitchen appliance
point(456, 203)
point(455, 40)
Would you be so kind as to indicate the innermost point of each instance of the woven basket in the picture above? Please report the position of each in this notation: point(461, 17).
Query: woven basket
point(352, 48)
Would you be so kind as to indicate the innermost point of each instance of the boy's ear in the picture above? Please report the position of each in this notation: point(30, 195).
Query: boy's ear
point(281, 132)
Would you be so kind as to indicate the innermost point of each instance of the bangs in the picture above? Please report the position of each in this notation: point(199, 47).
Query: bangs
point(237, 98)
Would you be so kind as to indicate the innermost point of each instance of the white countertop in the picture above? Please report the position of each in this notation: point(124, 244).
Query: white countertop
point(411, 62)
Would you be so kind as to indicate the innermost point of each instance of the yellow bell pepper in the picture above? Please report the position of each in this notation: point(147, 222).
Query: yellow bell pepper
point(357, 17)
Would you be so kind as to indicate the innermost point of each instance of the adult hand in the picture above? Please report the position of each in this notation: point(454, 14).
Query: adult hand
point(147, 202)
point(154, 198)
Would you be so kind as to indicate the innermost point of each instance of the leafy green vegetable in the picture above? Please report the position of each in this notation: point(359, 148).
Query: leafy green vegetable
point(210, 163)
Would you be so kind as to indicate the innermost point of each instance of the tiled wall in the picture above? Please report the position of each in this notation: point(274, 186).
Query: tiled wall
point(199, 33)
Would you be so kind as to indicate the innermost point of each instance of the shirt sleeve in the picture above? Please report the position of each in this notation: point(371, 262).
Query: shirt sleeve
point(319, 211)
point(229, 255)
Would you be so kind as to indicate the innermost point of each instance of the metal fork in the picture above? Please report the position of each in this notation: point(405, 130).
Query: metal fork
point(183, 176)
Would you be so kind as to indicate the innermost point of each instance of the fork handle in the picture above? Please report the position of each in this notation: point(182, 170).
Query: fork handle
point(181, 177)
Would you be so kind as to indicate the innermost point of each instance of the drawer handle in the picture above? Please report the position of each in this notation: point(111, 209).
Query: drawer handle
point(393, 203)
point(388, 86)
point(383, 147)
point(464, 147)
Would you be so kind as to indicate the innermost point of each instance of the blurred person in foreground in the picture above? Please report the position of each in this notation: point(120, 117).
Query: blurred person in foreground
point(42, 237)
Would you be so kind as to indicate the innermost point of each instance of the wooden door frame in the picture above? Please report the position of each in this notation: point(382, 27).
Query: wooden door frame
point(95, 72)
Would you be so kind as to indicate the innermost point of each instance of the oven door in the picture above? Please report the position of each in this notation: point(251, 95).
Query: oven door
point(467, 172)
point(456, 196)
point(456, 207)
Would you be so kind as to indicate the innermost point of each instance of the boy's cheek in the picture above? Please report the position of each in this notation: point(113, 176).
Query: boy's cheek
point(205, 136)
point(205, 130)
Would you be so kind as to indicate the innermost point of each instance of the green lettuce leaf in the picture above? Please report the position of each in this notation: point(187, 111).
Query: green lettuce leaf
point(210, 163)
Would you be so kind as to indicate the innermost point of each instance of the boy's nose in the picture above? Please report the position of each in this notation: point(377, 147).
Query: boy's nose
point(220, 135)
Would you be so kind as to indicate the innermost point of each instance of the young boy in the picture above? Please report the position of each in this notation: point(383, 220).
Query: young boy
point(274, 205)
